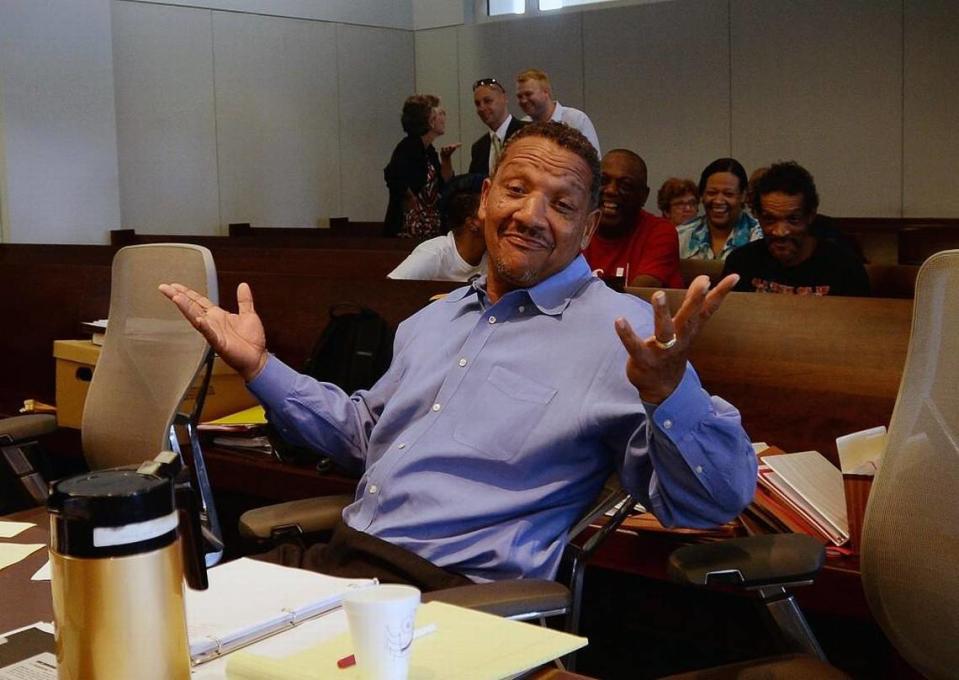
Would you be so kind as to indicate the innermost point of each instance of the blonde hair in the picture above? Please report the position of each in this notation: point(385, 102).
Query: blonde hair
point(533, 74)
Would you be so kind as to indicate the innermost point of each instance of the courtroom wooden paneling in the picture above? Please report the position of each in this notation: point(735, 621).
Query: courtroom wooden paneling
point(295, 308)
point(803, 370)
point(50, 290)
point(885, 280)
point(309, 238)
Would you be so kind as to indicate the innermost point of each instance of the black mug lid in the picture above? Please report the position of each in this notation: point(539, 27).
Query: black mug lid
point(112, 498)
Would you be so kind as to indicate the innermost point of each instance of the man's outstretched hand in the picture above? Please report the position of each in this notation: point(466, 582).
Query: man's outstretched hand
point(656, 364)
point(239, 338)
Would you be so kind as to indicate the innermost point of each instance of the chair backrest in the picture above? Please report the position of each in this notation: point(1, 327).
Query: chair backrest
point(150, 354)
point(911, 532)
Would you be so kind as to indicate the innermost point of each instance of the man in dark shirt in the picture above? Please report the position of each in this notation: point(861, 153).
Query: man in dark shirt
point(791, 258)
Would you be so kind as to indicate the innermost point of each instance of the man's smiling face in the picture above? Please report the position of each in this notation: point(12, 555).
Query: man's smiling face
point(536, 213)
point(624, 192)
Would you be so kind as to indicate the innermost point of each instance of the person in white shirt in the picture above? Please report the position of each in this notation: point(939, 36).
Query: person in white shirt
point(460, 255)
point(535, 97)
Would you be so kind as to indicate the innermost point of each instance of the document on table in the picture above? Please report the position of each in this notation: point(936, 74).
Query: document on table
point(11, 553)
point(11, 529)
point(28, 653)
point(249, 600)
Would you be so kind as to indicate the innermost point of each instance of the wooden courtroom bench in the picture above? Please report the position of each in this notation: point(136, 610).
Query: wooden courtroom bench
point(885, 280)
point(322, 262)
point(50, 290)
point(306, 239)
point(803, 370)
point(882, 242)
point(339, 226)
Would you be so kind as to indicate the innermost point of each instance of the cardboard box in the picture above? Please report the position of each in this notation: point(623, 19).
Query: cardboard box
point(76, 361)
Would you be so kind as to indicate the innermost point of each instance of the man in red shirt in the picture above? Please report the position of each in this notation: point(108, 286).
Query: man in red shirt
point(630, 242)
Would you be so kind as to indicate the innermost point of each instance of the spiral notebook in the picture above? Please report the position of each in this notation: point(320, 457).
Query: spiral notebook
point(249, 600)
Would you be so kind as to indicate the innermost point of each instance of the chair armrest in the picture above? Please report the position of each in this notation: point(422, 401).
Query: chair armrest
point(305, 516)
point(751, 562)
point(19, 428)
point(521, 598)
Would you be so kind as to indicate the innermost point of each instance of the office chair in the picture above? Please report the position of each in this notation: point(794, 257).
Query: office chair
point(519, 599)
point(911, 531)
point(150, 358)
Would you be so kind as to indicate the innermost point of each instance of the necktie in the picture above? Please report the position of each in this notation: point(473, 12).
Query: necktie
point(496, 145)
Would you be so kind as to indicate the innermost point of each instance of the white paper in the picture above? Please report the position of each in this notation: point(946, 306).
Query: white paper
point(249, 599)
point(43, 666)
point(861, 452)
point(43, 573)
point(11, 529)
point(817, 481)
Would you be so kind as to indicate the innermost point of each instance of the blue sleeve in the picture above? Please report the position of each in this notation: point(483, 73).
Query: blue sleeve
point(318, 415)
point(691, 463)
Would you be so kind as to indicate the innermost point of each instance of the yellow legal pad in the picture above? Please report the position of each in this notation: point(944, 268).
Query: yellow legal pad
point(250, 416)
point(467, 645)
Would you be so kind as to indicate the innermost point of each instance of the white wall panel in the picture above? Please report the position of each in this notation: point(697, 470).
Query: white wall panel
point(931, 109)
point(820, 82)
point(58, 148)
point(375, 68)
point(657, 82)
point(389, 13)
point(504, 48)
point(277, 115)
point(437, 72)
point(166, 132)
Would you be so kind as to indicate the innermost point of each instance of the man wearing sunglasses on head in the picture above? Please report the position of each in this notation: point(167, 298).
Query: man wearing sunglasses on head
point(489, 97)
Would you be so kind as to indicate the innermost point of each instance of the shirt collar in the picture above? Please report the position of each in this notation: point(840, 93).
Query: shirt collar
point(551, 296)
point(501, 130)
point(557, 113)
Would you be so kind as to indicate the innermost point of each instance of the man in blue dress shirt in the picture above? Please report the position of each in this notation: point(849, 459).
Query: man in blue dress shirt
point(510, 401)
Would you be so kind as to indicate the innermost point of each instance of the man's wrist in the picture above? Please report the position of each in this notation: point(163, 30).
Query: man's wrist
point(250, 375)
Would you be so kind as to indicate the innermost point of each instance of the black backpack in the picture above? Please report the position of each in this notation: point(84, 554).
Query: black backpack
point(353, 352)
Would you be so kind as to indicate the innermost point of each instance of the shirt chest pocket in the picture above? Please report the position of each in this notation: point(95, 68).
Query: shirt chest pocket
point(505, 410)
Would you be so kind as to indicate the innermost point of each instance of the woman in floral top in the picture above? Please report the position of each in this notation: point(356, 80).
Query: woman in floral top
point(725, 225)
point(416, 173)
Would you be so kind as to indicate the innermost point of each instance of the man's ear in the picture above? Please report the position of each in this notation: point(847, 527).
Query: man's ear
point(484, 193)
point(592, 221)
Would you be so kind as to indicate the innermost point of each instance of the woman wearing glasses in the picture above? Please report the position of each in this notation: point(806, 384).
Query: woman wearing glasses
point(724, 225)
point(678, 200)
point(416, 173)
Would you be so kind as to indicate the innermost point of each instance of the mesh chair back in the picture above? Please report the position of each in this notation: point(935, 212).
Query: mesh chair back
point(911, 533)
point(150, 354)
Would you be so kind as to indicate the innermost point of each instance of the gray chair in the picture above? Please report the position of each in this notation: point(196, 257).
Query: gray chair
point(911, 531)
point(150, 359)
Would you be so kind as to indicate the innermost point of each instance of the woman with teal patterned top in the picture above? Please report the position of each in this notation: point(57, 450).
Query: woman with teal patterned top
point(724, 225)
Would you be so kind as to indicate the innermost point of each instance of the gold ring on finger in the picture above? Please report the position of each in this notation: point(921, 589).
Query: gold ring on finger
point(665, 345)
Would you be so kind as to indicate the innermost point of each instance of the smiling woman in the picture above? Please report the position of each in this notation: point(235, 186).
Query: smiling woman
point(725, 225)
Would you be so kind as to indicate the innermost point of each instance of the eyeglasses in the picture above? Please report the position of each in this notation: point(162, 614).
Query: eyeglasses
point(488, 82)
point(684, 203)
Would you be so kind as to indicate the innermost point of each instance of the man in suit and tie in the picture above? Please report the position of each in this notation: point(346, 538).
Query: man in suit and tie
point(491, 106)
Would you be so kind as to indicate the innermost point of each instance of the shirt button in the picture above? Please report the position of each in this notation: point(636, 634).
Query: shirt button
point(436, 407)
point(699, 469)
point(667, 424)
point(492, 319)
point(521, 309)
point(373, 488)
point(462, 362)
point(401, 446)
